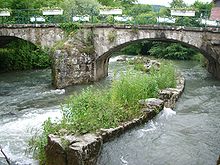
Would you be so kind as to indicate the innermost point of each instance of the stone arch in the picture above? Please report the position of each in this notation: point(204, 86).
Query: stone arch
point(194, 39)
point(41, 35)
point(4, 40)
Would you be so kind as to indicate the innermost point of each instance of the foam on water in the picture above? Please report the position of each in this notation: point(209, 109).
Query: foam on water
point(166, 113)
point(56, 91)
point(156, 123)
point(123, 161)
point(16, 132)
point(114, 59)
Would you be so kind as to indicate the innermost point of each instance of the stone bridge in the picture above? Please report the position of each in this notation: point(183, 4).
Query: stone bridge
point(38, 34)
point(83, 57)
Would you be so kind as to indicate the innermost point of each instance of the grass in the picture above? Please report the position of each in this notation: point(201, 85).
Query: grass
point(93, 109)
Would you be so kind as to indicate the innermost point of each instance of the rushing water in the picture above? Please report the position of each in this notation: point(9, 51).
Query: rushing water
point(27, 99)
point(190, 137)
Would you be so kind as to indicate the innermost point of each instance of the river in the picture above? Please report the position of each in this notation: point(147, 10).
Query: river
point(190, 137)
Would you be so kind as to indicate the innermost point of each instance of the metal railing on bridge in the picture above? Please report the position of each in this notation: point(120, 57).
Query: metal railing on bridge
point(37, 16)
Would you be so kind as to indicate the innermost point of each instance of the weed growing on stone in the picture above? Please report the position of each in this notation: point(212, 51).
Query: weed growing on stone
point(70, 27)
point(38, 142)
point(112, 36)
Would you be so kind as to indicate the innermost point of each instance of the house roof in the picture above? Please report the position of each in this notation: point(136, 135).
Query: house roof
point(215, 13)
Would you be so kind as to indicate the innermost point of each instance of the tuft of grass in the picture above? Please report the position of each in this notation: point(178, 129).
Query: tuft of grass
point(38, 142)
point(166, 76)
point(131, 87)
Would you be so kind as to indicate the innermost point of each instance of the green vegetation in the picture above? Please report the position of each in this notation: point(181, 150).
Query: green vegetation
point(112, 36)
point(165, 74)
point(105, 108)
point(92, 109)
point(173, 51)
point(143, 13)
point(70, 27)
point(21, 55)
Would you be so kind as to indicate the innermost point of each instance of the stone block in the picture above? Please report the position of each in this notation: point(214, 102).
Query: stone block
point(85, 150)
point(55, 153)
point(152, 103)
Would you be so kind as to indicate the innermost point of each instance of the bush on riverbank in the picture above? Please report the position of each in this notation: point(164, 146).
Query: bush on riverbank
point(94, 109)
point(173, 51)
point(21, 55)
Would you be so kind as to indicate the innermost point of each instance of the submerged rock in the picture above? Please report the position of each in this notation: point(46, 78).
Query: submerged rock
point(152, 64)
point(122, 58)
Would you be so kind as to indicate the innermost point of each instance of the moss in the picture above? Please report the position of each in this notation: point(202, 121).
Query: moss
point(112, 35)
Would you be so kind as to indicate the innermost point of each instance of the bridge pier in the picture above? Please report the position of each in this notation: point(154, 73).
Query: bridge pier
point(101, 68)
point(71, 67)
point(214, 68)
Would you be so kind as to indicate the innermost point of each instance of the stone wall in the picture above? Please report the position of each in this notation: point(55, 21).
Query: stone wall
point(85, 149)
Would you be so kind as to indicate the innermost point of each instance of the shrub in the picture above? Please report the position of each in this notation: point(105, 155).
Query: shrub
point(132, 87)
point(21, 55)
point(173, 51)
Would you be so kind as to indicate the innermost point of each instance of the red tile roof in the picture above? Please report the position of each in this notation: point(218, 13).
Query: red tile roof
point(215, 13)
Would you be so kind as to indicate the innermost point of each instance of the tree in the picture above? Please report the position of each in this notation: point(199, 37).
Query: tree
point(177, 4)
point(171, 51)
point(117, 3)
point(28, 4)
point(202, 9)
point(80, 7)
point(127, 3)
point(164, 11)
point(138, 9)
point(107, 2)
